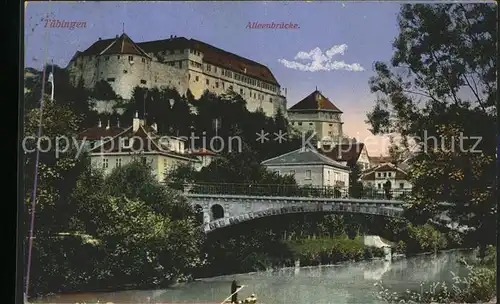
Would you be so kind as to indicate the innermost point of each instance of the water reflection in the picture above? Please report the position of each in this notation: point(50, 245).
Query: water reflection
point(346, 283)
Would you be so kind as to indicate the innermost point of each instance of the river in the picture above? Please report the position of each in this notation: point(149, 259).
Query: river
point(333, 284)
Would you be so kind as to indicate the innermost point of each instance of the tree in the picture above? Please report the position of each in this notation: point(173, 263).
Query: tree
point(149, 231)
point(58, 166)
point(355, 185)
point(439, 84)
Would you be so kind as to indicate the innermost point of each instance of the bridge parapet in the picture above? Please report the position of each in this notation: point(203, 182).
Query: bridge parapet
point(288, 190)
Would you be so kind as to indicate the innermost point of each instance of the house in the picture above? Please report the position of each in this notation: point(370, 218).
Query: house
point(110, 148)
point(348, 154)
point(310, 167)
point(377, 176)
point(316, 113)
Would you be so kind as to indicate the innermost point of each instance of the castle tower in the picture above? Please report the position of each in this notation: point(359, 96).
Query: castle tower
point(315, 113)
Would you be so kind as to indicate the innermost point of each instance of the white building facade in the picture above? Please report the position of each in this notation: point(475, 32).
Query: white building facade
point(316, 114)
point(113, 147)
point(310, 168)
point(180, 63)
point(376, 177)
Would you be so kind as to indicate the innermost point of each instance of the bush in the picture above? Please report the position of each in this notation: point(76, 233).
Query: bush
point(424, 238)
point(331, 250)
point(478, 286)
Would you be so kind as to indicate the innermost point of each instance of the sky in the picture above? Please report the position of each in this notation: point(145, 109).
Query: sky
point(332, 49)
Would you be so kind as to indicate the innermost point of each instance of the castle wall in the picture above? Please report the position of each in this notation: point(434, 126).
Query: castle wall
point(179, 69)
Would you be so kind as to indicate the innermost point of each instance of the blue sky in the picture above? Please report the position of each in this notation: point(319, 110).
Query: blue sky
point(333, 48)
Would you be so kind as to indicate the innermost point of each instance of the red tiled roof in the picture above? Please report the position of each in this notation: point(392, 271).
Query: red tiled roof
point(119, 45)
point(97, 133)
point(370, 173)
point(144, 141)
point(214, 56)
point(380, 159)
point(234, 62)
point(124, 45)
point(315, 101)
point(211, 54)
point(346, 152)
point(202, 152)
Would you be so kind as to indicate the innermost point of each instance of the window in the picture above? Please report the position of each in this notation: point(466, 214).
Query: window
point(308, 174)
point(106, 58)
point(270, 99)
point(143, 159)
point(223, 85)
point(401, 185)
point(299, 123)
point(180, 64)
point(216, 84)
point(207, 81)
point(379, 174)
point(197, 78)
point(110, 79)
point(118, 56)
point(143, 60)
point(209, 68)
point(389, 174)
point(104, 163)
point(231, 87)
point(292, 172)
point(143, 81)
point(130, 58)
point(385, 174)
point(330, 133)
point(379, 185)
point(241, 91)
point(330, 125)
point(215, 69)
point(310, 123)
point(118, 162)
point(125, 71)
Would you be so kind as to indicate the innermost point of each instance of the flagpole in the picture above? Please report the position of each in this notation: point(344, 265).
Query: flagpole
point(35, 185)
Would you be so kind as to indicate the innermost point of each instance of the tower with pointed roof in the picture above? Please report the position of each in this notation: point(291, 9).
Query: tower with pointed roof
point(180, 63)
point(119, 61)
point(316, 113)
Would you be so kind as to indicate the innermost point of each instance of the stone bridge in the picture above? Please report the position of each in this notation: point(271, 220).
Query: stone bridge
point(225, 210)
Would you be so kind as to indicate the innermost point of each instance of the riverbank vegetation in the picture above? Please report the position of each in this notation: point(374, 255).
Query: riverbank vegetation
point(440, 81)
point(479, 285)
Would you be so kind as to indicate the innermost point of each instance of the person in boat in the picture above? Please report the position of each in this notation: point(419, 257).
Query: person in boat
point(234, 288)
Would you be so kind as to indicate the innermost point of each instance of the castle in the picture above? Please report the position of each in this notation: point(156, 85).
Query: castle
point(177, 62)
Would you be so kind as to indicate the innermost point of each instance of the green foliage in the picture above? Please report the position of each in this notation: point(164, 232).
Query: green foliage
point(58, 169)
point(478, 286)
point(312, 252)
point(147, 234)
point(425, 238)
point(438, 85)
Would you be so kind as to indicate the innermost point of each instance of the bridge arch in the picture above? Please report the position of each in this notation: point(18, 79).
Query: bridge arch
point(234, 220)
point(217, 212)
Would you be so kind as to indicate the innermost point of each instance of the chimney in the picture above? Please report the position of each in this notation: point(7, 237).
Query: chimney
point(107, 127)
point(99, 125)
point(99, 38)
point(136, 122)
point(171, 36)
point(118, 122)
point(154, 126)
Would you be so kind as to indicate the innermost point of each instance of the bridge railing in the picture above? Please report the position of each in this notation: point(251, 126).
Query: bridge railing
point(287, 190)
